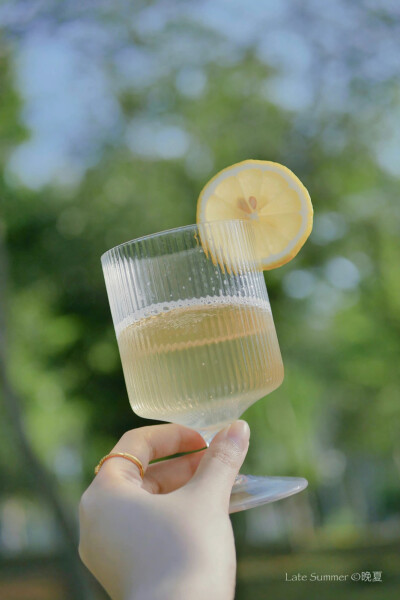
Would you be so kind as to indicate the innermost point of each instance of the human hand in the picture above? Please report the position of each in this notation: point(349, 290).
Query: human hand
point(169, 535)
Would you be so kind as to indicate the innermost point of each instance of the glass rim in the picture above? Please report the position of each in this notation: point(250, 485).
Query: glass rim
point(169, 231)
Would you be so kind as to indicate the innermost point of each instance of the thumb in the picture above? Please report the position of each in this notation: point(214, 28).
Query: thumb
point(221, 462)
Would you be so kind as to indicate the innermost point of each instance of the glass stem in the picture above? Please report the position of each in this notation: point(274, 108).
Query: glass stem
point(209, 433)
point(207, 436)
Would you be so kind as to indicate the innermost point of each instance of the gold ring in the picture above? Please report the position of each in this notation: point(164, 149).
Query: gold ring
point(130, 457)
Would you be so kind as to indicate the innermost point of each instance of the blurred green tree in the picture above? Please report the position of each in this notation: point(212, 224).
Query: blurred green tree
point(335, 420)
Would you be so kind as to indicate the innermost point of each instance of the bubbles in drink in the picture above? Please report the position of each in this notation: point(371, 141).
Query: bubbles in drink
point(201, 363)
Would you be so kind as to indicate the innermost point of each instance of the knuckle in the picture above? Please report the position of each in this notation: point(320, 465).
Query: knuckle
point(131, 435)
point(82, 551)
point(146, 432)
point(87, 506)
point(85, 551)
point(84, 526)
point(134, 437)
point(84, 503)
point(126, 437)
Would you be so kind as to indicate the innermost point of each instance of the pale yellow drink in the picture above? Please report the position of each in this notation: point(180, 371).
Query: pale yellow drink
point(201, 364)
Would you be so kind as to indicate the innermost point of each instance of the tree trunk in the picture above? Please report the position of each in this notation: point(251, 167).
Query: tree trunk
point(77, 580)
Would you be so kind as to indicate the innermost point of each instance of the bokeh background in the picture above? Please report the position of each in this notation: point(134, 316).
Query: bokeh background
point(113, 115)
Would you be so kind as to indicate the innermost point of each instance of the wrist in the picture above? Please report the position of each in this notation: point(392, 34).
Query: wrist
point(194, 589)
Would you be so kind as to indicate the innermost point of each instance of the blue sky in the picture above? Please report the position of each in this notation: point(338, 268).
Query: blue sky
point(70, 67)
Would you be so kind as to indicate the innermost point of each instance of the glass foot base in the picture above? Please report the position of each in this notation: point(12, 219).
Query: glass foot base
point(249, 491)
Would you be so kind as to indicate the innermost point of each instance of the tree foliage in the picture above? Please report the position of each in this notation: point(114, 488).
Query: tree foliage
point(336, 306)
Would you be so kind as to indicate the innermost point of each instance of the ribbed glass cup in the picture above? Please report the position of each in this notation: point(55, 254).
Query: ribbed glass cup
point(195, 332)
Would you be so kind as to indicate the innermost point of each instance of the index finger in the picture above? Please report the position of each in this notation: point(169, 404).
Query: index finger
point(150, 443)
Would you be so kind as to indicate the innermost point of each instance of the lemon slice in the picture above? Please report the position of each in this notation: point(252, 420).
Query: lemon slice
point(268, 194)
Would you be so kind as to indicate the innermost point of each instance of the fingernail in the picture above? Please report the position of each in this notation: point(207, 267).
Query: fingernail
point(239, 432)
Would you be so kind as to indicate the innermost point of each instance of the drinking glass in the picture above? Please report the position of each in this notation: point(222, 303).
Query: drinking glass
point(195, 333)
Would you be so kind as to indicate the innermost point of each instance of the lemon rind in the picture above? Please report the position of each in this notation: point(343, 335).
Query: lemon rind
point(306, 211)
